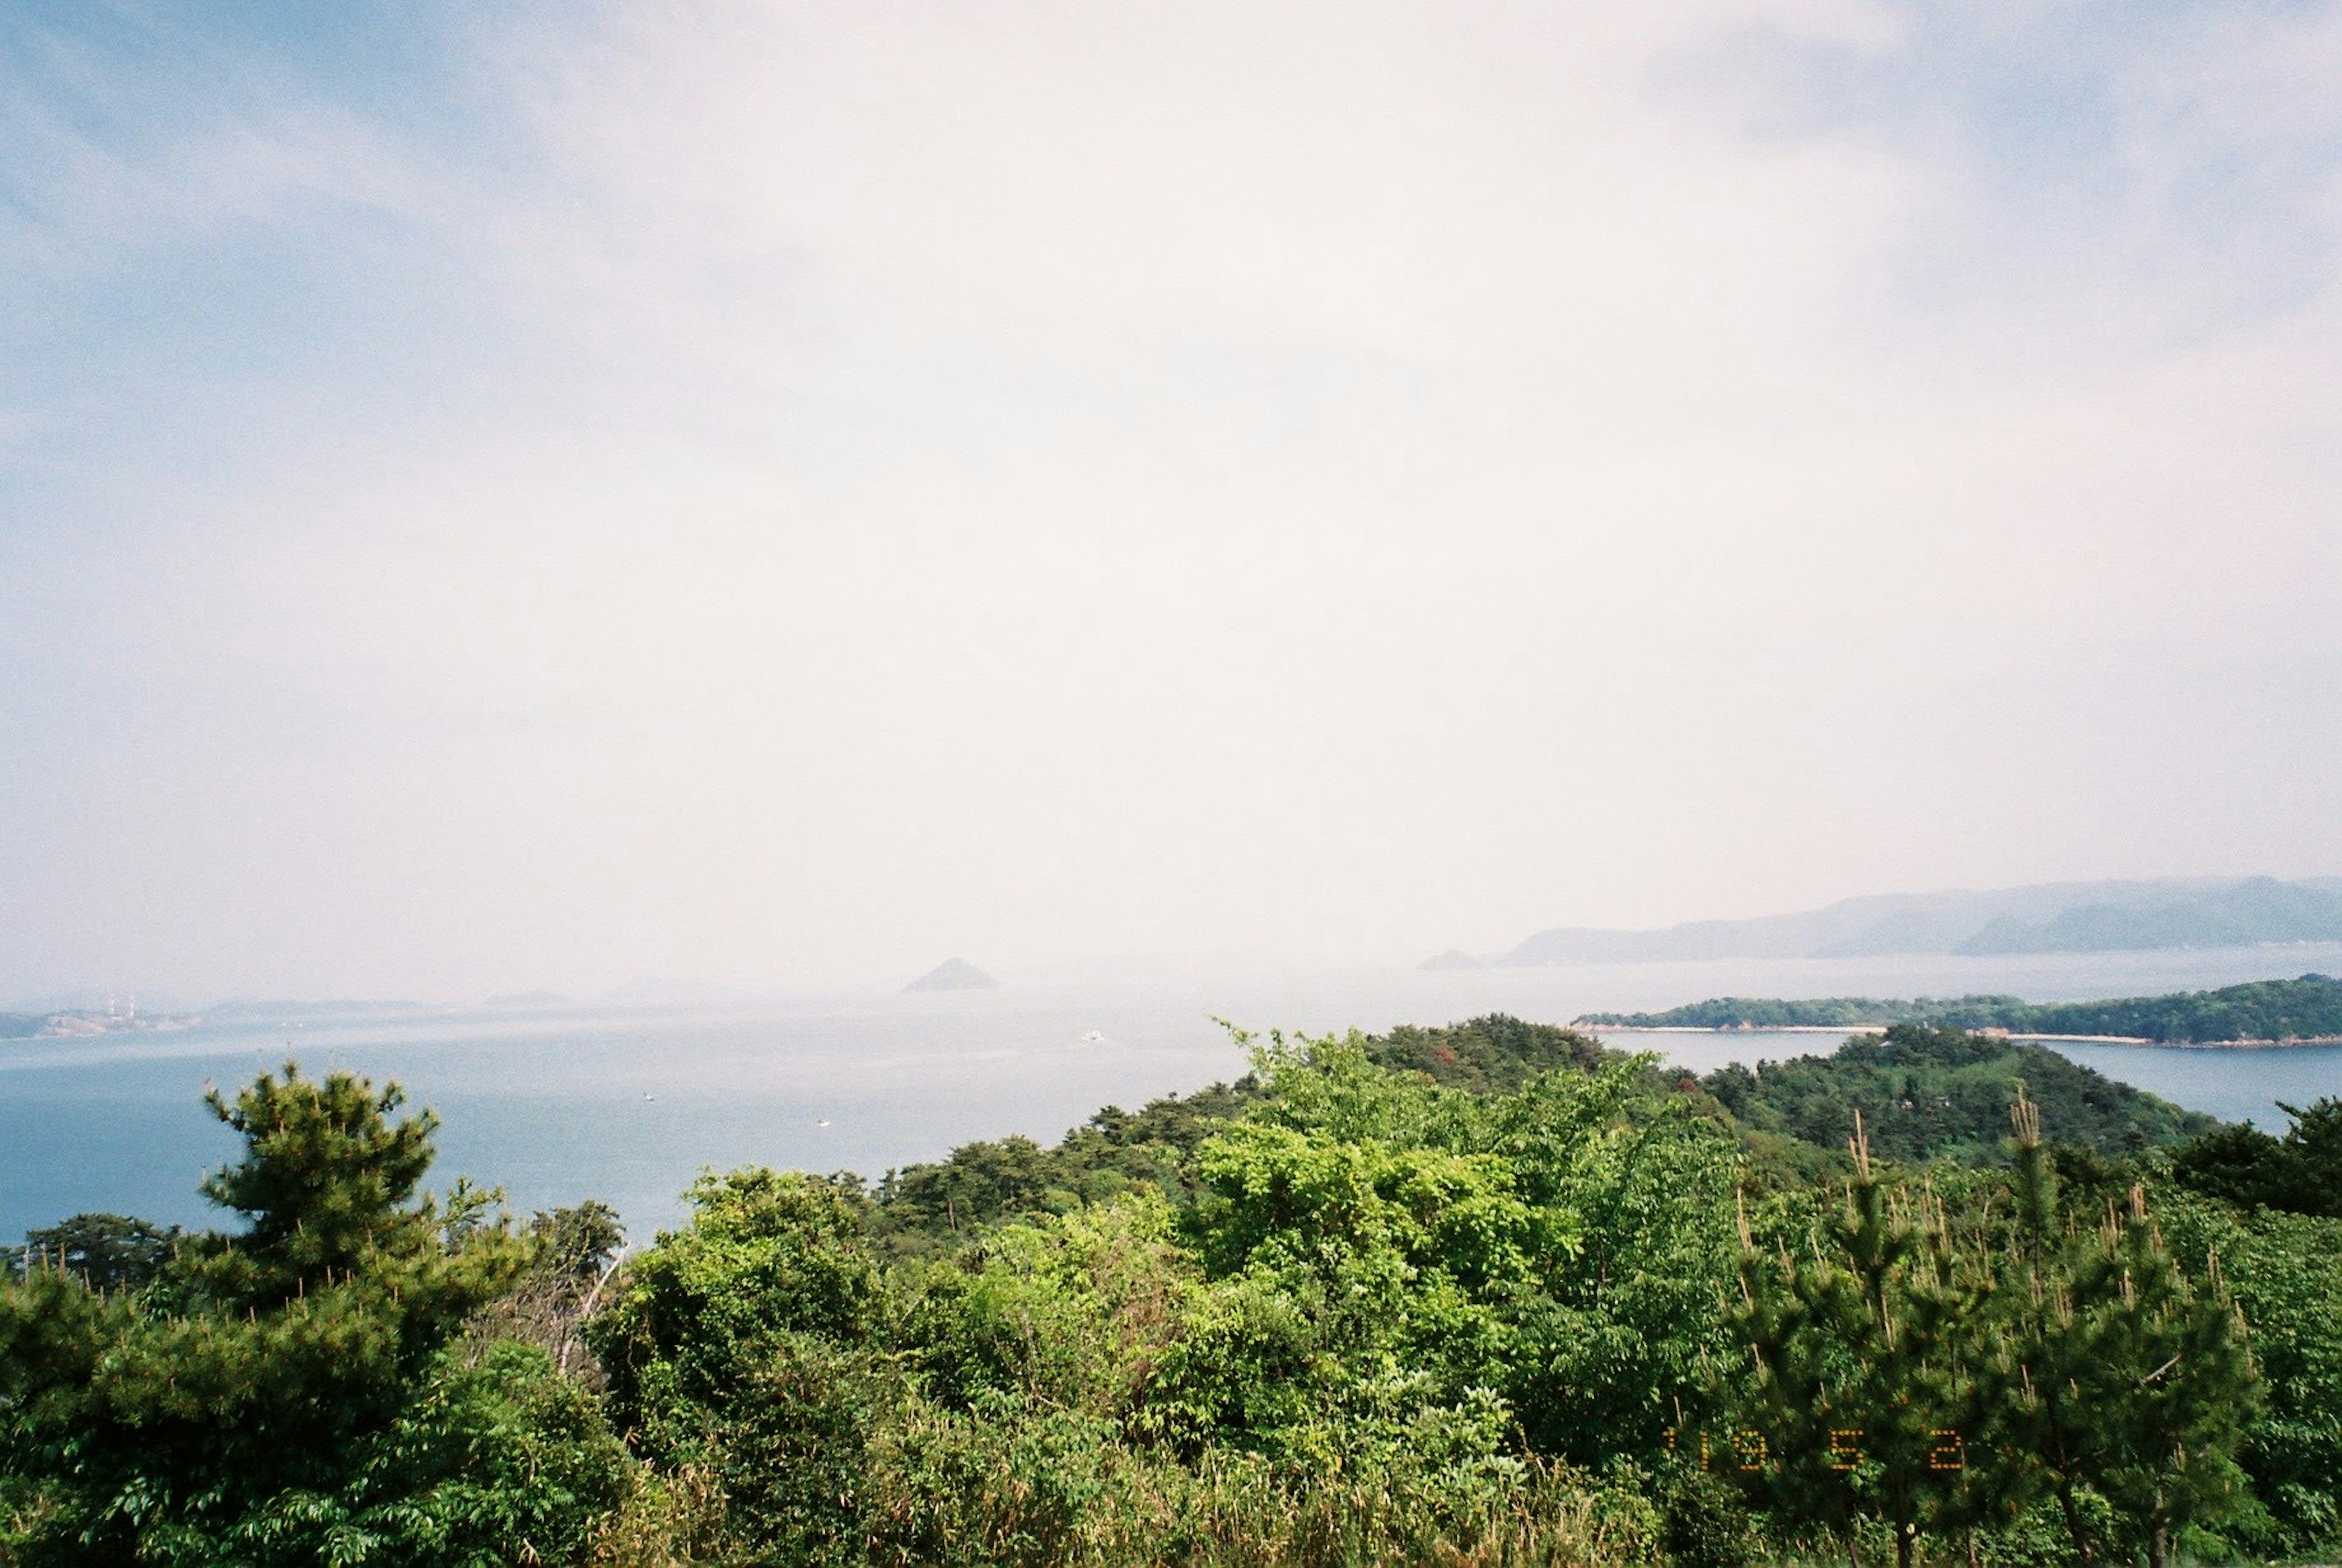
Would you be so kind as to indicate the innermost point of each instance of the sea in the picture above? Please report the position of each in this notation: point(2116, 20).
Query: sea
point(556, 1103)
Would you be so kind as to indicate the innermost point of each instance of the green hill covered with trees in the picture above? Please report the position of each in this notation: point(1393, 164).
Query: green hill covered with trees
point(1481, 1294)
point(1923, 1092)
point(2258, 1011)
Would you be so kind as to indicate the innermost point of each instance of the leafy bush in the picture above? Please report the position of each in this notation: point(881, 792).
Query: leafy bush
point(744, 1347)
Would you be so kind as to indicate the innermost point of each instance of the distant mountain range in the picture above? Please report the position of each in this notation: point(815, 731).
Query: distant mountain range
point(2052, 917)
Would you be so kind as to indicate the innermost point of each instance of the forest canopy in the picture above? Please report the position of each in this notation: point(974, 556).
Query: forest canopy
point(1489, 1293)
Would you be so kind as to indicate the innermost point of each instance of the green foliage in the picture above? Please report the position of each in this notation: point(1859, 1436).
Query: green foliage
point(2301, 1173)
point(1817, 1013)
point(493, 1461)
point(1477, 1294)
point(2174, 1389)
point(1035, 1401)
point(578, 1244)
point(1939, 1375)
point(1075, 1313)
point(922, 1208)
point(1859, 1383)
point(105, 1252)
point(1352, 1320)
point(1704, 1522)
point(2115, 1376)
point(2309, 1008)
point(1051, 1488)
point(1493, 1052)
point(1556, 1247)
point(744, 1346)
point(2284, 1274)
point(1923, 1093)
point(283, 1394)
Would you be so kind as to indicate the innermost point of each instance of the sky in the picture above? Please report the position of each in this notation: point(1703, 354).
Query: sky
point(511, 495)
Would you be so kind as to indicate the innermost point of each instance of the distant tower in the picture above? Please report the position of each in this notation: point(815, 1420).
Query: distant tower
point(134, 1007)
point(109, 1005)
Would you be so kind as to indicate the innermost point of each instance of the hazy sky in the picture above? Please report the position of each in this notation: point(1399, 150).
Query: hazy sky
point(498, 495)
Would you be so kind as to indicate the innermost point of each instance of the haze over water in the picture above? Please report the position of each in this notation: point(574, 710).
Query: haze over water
point(560, 1103)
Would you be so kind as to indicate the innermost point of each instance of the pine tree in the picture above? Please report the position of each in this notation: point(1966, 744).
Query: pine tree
point(2044, 1433)
point(2115, 1375)
point(223, 1402)
point(2175, 1385)
point(1859, 1385)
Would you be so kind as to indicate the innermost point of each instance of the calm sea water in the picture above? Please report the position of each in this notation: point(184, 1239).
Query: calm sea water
point(627, 1105)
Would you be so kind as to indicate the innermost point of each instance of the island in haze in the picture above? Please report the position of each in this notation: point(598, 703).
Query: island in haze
point(1453, 958)
point(954, 975)
point(2050, 917)
point(72, 1022)
point(2304, 1012)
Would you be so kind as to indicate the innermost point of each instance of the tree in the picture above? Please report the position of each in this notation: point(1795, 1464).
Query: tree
point(743, 1346)
point(1633, 1190)
point(2174, 1384)
point(2299, 1174)
point(1561, 1246)
point(2116, 1376)
point(105, 1252)
point(2315, 1142)
point(2285, 1273)
point(2238, 1163)
point(1859, 1390)
point(282, 1395)
point(577, 1245)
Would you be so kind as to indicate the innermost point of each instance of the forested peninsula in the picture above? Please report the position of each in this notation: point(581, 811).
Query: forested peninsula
point(2308, 1011)
point(1486, 1293)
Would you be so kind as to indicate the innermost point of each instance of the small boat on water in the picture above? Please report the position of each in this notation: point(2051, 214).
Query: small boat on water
point(1094, 1037)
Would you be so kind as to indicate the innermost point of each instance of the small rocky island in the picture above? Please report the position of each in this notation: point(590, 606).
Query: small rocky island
point(954, 975)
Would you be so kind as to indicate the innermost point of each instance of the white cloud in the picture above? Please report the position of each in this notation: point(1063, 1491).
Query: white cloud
point(1331, 479)
point(101, 165)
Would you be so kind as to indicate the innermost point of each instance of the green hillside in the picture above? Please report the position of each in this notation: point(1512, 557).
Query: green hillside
point(1925, 1092)
point(2281, 1011)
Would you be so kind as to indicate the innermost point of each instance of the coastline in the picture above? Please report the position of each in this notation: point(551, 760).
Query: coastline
point(1849, 1030)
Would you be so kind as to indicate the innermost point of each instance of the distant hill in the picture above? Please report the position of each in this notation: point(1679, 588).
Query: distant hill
point(1812, 1012)
point(2259, 1012)
point(2258, 910)
point(1922, 1092)
point(1925, 1093)
point(1453, 958)
point(2052, 917)
point(1495, 1052)
point(954, 975)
